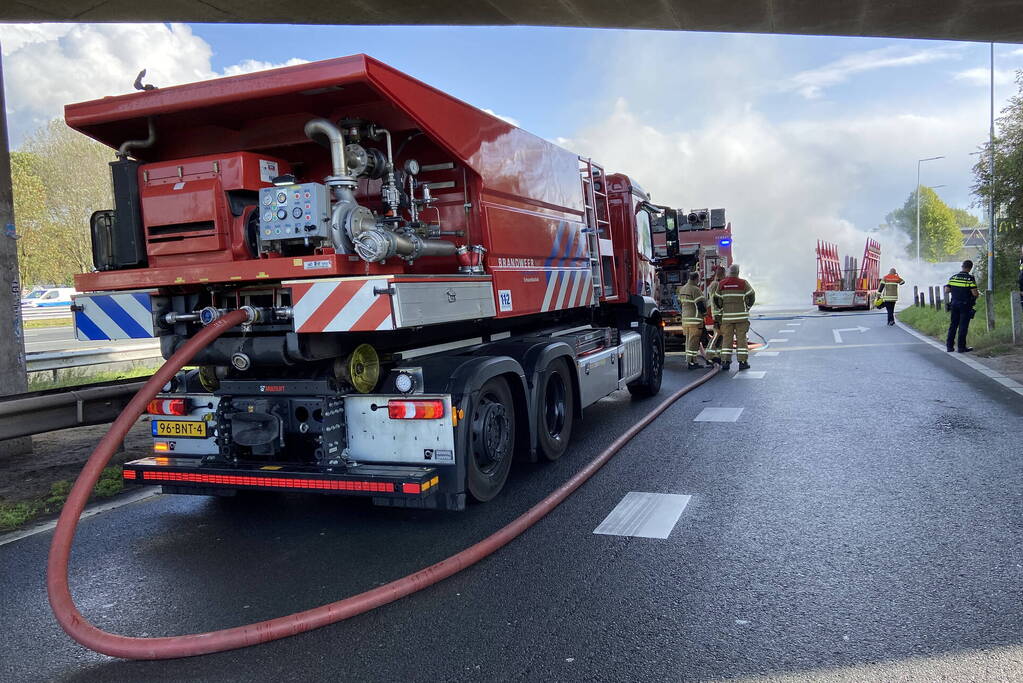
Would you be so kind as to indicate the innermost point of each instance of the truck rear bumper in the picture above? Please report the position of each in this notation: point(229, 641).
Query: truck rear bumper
point(389, 483)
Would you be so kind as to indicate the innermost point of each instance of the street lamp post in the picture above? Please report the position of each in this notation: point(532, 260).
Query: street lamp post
point(920, 161)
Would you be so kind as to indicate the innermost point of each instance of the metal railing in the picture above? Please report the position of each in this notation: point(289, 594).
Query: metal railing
point(60, 360)
point(46, 313)
point(28, 414)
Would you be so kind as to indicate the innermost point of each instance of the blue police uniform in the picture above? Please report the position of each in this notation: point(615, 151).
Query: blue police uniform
point(961, 286)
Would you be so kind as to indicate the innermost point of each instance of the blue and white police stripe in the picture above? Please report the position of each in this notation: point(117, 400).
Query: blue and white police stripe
point(113, 316)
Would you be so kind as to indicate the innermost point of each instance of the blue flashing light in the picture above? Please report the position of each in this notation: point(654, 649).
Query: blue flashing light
point(725, 241)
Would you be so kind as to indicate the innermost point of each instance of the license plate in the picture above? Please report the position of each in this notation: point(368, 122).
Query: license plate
point(179, 428)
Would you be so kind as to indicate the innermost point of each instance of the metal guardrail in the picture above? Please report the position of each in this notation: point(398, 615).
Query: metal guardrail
point(46, 313)
point(73, 407)
point(59, 360)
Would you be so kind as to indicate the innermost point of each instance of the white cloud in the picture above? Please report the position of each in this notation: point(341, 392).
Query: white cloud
point(812, 82)
point(506, 119)
point(250, 65)
point(982, 76)
point(49, 65)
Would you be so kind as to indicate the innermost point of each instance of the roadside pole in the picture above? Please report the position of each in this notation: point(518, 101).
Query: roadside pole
point(13, 379)
point(989, 298)
point(1017, 317)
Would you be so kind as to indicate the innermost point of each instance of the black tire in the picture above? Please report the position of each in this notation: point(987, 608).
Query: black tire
point(556, 410)
point(649, 383)
point(491, 440)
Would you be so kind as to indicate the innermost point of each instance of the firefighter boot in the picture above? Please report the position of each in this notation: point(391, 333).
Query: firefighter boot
point(693, 366)
point(726, 365)
point(743, 365)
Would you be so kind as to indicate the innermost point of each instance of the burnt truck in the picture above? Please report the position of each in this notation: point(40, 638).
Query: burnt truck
point(429, 291)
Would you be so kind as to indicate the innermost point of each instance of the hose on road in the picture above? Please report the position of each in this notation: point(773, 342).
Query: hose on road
point(170, 647)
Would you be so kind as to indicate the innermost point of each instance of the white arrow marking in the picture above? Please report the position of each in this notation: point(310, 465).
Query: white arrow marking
point(838, 333)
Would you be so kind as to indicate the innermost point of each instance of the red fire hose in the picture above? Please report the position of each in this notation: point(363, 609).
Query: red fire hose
point(76, 626)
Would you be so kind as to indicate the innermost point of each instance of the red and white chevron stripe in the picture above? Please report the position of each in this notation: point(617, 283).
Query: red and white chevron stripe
point(568, 289)
point(348, 305)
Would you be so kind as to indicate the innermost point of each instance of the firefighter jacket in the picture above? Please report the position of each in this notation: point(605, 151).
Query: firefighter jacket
point(711, 289)
point(691, 300)
point(889, 287)
point(734, 297)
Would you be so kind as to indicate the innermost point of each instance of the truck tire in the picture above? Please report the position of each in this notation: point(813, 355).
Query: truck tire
point(491, 440)
point(649, 382)
point(556, 410)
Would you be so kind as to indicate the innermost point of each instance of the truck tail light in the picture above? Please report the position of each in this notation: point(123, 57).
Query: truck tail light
point(415, 410)
point(168, 406)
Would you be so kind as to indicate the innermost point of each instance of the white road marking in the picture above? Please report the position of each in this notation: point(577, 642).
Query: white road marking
point(644, 515)
point(750, 374)
point(838, 333)
point(767, 353)
point(718, 415)
point(776, 341)
point(784, 331)
point(121, 501)
point(793, 323)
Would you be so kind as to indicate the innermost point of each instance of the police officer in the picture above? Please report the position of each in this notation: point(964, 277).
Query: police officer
point(888, 288)
point(963, 288)
point(734, 297)
point(712, 317)
point(693, 305)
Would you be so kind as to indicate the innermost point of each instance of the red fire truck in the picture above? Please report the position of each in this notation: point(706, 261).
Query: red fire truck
point(429, 290)
point(684, 241)
point(846, 285)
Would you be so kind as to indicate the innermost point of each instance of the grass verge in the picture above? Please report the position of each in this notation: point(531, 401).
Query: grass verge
point(15, 515)
point(934, 324)
point(46, 322)
point(72, 377)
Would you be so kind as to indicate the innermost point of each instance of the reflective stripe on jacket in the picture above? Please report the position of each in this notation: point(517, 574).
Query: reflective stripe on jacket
point(689, 297)
point(961, 286)
point(889, 289)
point(734, 297)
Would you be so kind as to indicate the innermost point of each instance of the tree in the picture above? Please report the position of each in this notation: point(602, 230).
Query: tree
point(940, 237)
point(965, 219)
point(1008, 186)
point(69, 173)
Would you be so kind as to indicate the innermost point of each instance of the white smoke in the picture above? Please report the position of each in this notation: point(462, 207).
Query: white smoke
point(785, 184)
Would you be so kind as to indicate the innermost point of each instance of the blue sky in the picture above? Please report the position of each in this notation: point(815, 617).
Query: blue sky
point(798, 137)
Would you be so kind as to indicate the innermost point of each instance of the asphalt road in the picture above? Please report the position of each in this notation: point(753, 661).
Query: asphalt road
point(860, 520)
point(63, 339)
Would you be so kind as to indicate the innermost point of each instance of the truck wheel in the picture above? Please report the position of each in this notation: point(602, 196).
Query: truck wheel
point(649, 382)
point(557, 410)
point(491, 440)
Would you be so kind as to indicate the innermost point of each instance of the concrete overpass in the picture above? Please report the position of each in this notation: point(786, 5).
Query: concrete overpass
point(975, 20)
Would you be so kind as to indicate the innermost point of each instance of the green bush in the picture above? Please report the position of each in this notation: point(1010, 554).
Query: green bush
point(934, 323)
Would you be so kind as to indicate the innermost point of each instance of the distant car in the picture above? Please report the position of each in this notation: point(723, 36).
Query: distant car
point(50, 297)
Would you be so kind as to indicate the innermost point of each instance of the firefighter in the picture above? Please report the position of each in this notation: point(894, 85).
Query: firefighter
point(692, 305)
point(733, 298)
point(963, 289)
point(711, 319)
point(888, 288)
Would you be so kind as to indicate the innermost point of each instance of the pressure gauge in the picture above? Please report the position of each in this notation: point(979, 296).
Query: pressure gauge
point(412, 167)
point(282, 197)
point(268, 216)
point(297, 212)
point(267, 198)
point(282, 213)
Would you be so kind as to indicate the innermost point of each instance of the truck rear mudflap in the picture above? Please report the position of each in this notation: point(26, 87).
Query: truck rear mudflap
point(395, 485)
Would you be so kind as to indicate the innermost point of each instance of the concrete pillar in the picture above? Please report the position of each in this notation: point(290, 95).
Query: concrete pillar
point(916, 296)
point(930, 297)
point(1017, 317)
point(13, 379)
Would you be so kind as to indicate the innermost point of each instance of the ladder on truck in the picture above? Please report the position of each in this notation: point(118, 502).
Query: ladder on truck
point(596, 218)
